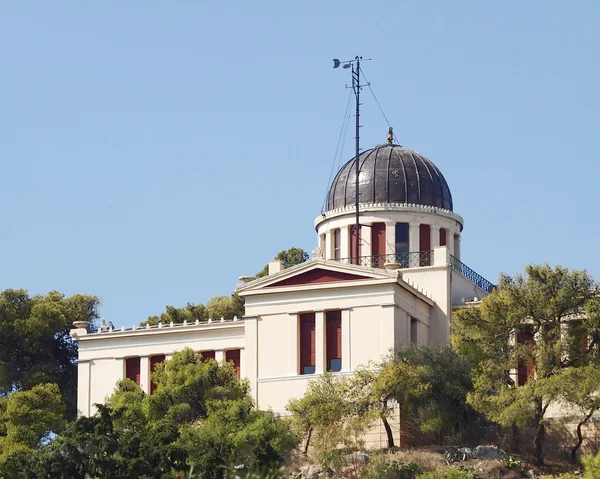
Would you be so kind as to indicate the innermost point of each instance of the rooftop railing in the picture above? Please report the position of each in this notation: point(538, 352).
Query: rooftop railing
point(411, 259)
point(471, 275)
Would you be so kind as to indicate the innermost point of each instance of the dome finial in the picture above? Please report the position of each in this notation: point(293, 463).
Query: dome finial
point(390, 135)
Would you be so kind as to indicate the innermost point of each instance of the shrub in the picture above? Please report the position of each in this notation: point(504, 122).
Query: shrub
point(381, 469)
point(448, 474)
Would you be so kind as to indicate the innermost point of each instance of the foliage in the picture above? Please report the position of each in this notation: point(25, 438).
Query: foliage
point(441, 407)
point(216, 308)
point(200, 415)
point(591, 466)
point(289, 257)
point(380, 468)
point(448, 474)
point(327, 415)
point(543, 300)
point(27, 419)
point(35, 346)
point(372, 388)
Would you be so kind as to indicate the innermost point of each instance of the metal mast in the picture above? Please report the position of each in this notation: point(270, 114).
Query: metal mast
point(355, 65)
point(356, 88)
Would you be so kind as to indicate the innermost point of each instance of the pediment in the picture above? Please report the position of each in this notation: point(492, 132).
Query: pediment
point(316, 276)
point(317, 272)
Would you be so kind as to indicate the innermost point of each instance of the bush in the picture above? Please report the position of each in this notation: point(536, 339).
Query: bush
point(381, 469)
point(448, 474)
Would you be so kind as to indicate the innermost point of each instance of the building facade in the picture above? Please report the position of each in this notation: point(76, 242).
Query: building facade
point(341, 309)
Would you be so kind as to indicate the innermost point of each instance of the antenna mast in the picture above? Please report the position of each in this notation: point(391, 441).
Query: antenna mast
point(355, 65)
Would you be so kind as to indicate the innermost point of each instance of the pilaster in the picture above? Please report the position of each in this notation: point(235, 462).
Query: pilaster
point(413, 236)
point(145, 374)
point(390, 237)
point(249, 358)
point(293, 344)
point(346, 331)
point(435, 236)
point(330, 245)
point(219, 355)
point(345, 241)
point(320, 342)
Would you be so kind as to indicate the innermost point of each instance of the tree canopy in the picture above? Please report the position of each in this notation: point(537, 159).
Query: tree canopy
point(544, 322)
point(35, 346)
point(200, 416)
point(289, 257)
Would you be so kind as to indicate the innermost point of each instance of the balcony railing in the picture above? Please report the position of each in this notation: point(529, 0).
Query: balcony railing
point(411, 259)
point(471, 275)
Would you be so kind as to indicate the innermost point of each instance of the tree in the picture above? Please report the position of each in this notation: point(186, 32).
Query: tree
point(200, 415)
point(289, 257)
point(27, 419)
point(547, 321)
point(217, 307)
point(35, 346)
point(440, 407)
point(373, 387)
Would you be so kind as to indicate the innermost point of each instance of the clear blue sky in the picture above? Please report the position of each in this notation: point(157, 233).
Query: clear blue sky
point(152, 152)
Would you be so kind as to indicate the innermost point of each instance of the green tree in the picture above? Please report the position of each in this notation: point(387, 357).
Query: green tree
point(27, 419)
point(373, 387)
point(289, 257)
point(559, 308)
point(35, 346)
point(200, 415)
point(440, 407)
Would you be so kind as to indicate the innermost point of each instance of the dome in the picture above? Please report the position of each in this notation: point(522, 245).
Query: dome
point(390, 174)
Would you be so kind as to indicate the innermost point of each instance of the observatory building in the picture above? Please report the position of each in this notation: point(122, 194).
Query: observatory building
point(353, 302)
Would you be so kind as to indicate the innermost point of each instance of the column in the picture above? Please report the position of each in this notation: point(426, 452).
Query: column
point(390, 239)
point(435, 236)
point(145, 374)
point(329, 245)
point(320, 345)
point(219, 355)
point(83, 388)
point(249, 358)
point(293, 345)
point(346, 360)
point(345, 242)
point(366, 239)
point(413, 237)
point(457, 246)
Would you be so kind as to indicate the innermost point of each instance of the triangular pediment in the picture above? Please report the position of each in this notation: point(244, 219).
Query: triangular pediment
point(316, 276)
point(317, 272)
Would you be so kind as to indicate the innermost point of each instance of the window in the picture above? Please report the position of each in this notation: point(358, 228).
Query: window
point(443, 240)
point(337, 243)
point(414, 331)
point(424, 245)
point(526, 369)
point(206, 355)
point(355, 255)
point(233, 355)
point(154, 361)
point(132, 369)
point(307, 343)
point(333, 332)
point(402, 246)
point(378, 244)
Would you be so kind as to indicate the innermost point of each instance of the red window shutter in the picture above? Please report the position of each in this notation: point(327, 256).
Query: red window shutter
point(307, 341)
point(353, 253)
point(424, 238)
point(334, 334)
point(132, 369)
point(378, 244)
point(154, 360)
point(526, 367)
point(206, 355)
point(443, 240)
point(233, 355)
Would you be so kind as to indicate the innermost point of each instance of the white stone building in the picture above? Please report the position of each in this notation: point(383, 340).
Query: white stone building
point(339, 310)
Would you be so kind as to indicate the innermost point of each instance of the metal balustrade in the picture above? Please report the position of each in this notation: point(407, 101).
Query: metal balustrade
point(471, 275)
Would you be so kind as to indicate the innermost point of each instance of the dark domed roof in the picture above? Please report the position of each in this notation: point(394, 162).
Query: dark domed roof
point(390, 174)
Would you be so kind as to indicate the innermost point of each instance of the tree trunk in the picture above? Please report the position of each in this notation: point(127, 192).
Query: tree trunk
point(307, 443)
point(388, 431)
point(579, 437)
point(540, 433)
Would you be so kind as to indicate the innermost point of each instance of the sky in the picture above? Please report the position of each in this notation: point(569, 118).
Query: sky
point(152, 152)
